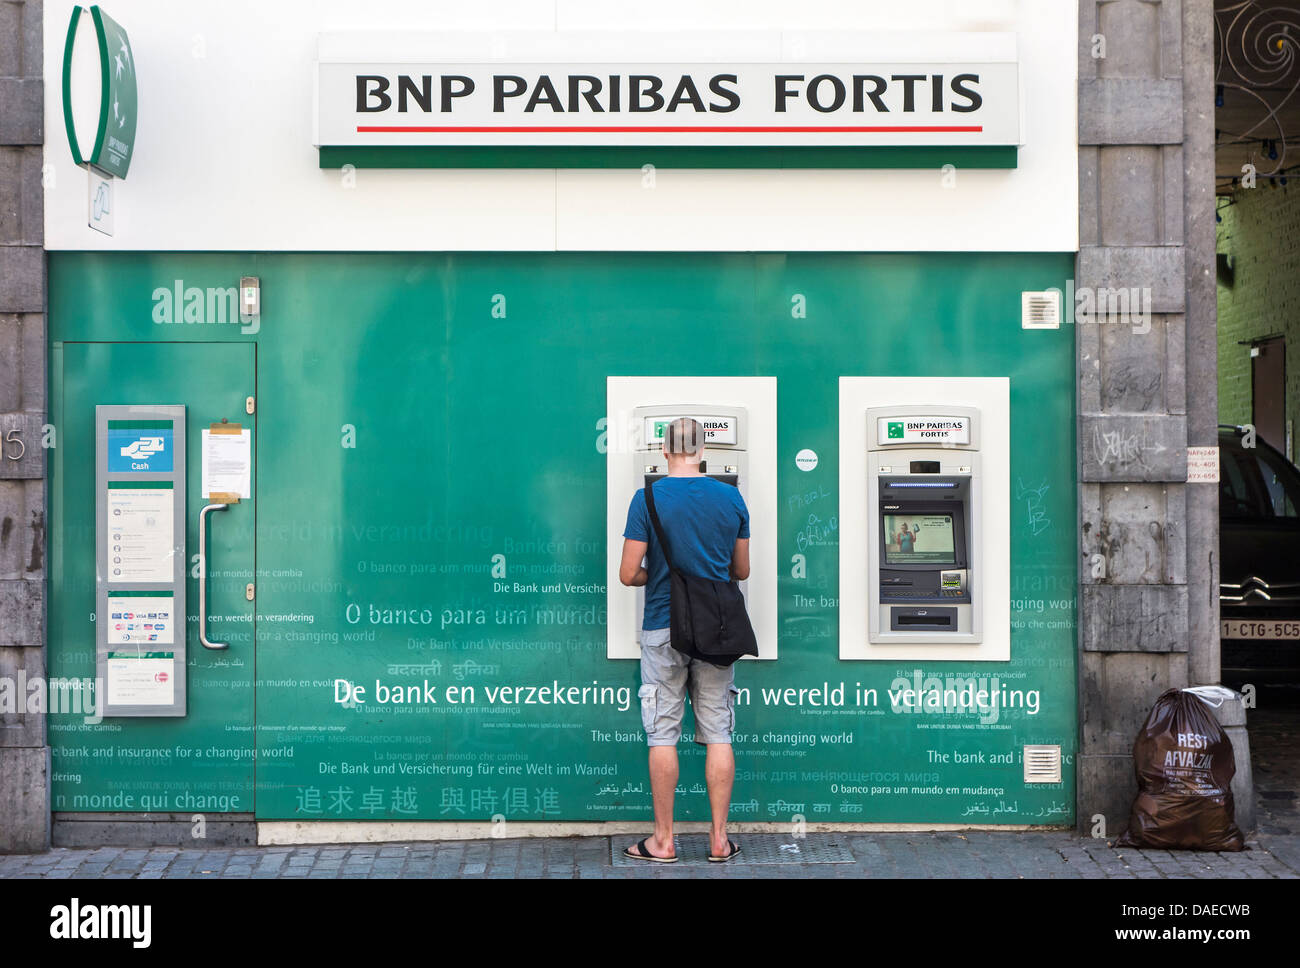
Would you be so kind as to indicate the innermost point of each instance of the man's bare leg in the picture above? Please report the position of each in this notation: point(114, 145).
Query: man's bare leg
point(719, 774)
point(663, 785)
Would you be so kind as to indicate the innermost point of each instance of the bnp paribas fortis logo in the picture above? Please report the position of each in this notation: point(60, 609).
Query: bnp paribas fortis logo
point(661, 428)
point(99, 92)
point(895, 430)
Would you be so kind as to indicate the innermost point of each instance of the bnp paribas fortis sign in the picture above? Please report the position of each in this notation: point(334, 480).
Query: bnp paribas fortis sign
point(827, 92)
point(99, 92)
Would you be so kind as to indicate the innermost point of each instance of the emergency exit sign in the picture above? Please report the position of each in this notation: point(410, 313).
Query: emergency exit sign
point(923, 430)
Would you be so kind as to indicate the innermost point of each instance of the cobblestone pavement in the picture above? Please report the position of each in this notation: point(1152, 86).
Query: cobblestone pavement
point(971, 854)
point(1275, 762)
point(1275, 758)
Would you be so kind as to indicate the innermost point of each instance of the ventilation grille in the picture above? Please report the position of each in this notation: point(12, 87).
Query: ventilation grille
point(1040, 310)
point(1042, 764)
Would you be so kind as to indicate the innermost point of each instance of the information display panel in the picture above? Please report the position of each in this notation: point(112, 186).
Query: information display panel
point(140, 559)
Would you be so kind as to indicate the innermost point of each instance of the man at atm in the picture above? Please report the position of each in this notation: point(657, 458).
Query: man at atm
point(706, 524)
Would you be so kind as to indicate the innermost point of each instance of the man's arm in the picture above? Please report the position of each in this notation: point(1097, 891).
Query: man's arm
point(631, 571)
point(739, 559)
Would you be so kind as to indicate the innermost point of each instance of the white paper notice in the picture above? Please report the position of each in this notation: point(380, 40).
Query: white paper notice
point(140, 540)
point(227, 464)
point(141, 678)
point(140, 618)
point(1202, 465)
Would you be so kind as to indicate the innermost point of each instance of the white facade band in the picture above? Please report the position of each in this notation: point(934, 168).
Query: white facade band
point(250, 136)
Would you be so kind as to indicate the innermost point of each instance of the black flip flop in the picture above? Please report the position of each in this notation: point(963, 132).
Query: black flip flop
point(721, 860)
point(646, 855)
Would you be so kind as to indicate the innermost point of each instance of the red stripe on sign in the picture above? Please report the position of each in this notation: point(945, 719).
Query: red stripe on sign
point(669, 129)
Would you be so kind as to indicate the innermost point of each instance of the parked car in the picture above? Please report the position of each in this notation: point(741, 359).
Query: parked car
point(1259, 553)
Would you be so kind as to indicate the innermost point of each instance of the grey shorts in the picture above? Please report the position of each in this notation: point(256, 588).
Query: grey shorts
point(666, 676)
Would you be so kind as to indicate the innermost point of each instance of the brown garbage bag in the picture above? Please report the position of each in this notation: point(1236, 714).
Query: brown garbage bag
point(1184, 765)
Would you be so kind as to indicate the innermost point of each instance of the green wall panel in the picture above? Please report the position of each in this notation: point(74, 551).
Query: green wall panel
point(407, 433)
point(203, 761)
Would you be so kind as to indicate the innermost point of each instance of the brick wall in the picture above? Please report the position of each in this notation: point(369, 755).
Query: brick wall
point(24, 749)
point(1261, 234)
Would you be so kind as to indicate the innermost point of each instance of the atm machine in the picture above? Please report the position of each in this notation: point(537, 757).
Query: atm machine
point(924, 577)
point(726, 455)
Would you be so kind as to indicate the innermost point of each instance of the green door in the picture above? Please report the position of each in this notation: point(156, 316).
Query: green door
point(202, 762)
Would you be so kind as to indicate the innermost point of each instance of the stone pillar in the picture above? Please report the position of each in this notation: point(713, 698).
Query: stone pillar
point(24, 746)
point(1147, 385)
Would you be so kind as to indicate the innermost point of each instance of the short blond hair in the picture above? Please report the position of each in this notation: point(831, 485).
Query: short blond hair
point(684, 437)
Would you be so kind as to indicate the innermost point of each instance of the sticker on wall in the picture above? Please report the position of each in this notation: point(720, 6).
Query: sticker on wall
point(1203, 465)
point(806, 460)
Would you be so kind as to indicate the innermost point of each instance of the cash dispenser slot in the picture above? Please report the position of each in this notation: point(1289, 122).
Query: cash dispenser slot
point(923, 618)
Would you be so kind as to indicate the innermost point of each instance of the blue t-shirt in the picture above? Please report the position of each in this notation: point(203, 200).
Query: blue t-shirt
point(702, 518)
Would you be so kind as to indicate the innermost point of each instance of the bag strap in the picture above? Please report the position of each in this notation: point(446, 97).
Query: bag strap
point(659, 528)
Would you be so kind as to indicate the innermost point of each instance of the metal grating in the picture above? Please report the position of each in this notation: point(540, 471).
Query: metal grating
point(693, 850)
point(1042, 764)
point(1040, 310)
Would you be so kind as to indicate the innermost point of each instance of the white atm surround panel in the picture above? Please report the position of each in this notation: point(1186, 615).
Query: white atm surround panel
point(742, 443)
point(859, 511)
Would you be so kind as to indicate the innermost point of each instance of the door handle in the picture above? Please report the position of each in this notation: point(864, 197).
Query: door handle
point(203, 578)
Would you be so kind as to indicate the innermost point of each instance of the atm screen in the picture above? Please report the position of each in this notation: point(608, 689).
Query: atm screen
point(918, 539)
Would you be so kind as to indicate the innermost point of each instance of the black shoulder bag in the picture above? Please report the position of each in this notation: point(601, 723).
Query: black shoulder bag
point(709, 620)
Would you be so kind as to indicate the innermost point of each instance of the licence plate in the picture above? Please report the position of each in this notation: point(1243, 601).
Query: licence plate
point(1260, 629)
